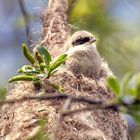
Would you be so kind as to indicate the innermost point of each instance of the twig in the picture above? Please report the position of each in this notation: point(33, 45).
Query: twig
point(26, 20)
point(97, 104)
point(52, 96)
point(102, 106)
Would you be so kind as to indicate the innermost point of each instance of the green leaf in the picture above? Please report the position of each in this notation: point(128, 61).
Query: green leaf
point(24, 68)
point(20, 71)
point(60, 60)
point(21, 78)
point(134, 86)
point(42, 67)
point(39, 57)
point(27, 54)
point(46, 56)
point(135, 115)
point(113, 84)
point(27, 69)
point(124, 84)
point(53, 72)
point(32, 72)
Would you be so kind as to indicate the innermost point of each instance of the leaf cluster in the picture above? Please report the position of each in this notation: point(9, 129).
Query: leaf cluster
point(41, 66)
point(127, 94)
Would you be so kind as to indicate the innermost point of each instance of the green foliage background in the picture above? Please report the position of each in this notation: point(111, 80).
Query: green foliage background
point(118, 40)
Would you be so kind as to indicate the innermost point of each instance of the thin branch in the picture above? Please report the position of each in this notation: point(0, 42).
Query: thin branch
point(26, 20)
point(52, 96)
point(97, 104)
point(102, 106)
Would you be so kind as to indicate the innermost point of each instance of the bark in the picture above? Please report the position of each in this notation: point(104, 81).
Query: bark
point(20, 120)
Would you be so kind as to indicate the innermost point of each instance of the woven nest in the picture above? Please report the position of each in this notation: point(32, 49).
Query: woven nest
point(20, 120)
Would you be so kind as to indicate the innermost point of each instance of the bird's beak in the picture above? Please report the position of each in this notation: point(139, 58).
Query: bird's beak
point(93, 40)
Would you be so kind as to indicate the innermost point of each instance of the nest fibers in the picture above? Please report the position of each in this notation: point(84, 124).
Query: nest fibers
point(20, 120)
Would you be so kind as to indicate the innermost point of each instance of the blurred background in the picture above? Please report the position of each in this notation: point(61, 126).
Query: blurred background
point(115, 23)
point(13, 33)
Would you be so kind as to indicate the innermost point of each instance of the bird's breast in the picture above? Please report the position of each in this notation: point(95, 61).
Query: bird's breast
point(83, 60)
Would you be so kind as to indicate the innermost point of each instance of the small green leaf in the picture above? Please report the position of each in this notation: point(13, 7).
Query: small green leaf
point(39, 58)
point(27, 54)
point(37, 82)
point(20, 71)
point(53, 72)
point(134, 86)
point(46, 56)
point(27, 69)
point(33, 72)
point(124, 84)
point(21, 78)
point(60, 60)
point(113, 84)
point(42, 67)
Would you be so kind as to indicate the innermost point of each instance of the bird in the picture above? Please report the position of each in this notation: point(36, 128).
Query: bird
point(83, 56)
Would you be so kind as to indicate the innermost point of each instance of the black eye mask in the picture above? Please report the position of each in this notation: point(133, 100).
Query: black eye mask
point(81, 41)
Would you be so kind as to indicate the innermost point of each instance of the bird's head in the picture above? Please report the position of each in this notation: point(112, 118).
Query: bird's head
point(81, 38)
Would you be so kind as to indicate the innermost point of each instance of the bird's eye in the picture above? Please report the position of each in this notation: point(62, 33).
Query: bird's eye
point(81, 41)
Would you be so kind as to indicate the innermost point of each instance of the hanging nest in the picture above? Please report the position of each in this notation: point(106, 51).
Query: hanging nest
point(21, 120)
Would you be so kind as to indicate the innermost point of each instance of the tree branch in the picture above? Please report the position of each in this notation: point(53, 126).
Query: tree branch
point(52, 96)
point(26, 20)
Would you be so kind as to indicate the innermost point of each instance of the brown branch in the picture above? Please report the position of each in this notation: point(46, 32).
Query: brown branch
point(53, 96)
point(70, 98)
point(97, 104)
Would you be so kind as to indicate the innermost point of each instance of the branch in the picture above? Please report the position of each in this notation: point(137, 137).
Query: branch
point(97, 104)
point(26, 20)
point(51, 96)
